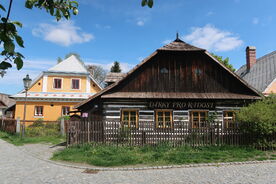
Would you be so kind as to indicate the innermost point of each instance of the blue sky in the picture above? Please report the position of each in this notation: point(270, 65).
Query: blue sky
point(105, 31)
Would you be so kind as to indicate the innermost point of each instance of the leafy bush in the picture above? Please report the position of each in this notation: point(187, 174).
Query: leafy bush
point(38, 130)
point(38, 123)
point(64, 117)
point(259, 120)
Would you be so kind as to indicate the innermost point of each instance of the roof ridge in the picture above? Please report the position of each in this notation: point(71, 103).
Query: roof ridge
point(180, 45)
point(267, 55)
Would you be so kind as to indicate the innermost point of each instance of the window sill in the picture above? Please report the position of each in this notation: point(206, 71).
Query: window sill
point(38, 116)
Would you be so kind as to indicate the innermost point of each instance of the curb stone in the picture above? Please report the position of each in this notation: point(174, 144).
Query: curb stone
point(147, 168)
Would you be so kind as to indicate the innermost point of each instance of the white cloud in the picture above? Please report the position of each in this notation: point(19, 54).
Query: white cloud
point(140, 23)
point(64, 33)
point(211, 38)
point(255, 20)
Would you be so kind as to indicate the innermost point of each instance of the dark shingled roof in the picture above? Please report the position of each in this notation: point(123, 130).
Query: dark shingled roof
point(179, 45)
point(262, 73)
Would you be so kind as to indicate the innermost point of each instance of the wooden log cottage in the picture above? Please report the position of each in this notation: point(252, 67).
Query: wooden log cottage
point(177, 83)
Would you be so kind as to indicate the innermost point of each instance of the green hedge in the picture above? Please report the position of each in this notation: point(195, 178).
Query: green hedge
point(39, 129)
point(259, 120)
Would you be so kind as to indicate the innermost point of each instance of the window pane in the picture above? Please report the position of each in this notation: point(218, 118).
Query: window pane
point(133, 124)
point(132, 118)
point(65, 110)
point(168, 124)
point(163, 119)
point(38, 110)
point(75, 83)
point(167, 118)
point(57, 83)
point(160, 118)
point(195, 124)
point(125, 118)
point(160, 124)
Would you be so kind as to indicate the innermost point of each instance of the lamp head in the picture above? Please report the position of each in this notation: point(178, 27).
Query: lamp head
point(27, 82)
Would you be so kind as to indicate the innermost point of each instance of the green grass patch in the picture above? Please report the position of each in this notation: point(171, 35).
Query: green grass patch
point(108, 156)
point(16, 139)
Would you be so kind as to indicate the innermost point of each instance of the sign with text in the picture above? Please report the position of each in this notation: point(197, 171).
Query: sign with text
point(181, 105)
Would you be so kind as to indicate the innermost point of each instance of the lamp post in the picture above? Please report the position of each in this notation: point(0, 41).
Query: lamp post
point(27, 83)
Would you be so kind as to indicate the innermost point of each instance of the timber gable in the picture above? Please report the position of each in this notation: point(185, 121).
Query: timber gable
point(178, 71)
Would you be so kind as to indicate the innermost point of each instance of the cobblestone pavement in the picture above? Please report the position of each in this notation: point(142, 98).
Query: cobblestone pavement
point(16, 166)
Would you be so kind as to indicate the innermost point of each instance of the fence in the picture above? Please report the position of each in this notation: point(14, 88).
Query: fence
point(15, 126)
point(148, 133)
point(8, 125)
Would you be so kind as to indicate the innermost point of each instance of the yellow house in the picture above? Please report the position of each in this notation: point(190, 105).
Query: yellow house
point(56, 91)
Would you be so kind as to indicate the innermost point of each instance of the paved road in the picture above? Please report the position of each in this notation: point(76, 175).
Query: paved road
point(19, 167)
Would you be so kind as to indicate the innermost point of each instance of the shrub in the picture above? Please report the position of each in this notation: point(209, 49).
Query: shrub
point(39, 130)
point(259, 120)
point(37, 123)
point(64, 117)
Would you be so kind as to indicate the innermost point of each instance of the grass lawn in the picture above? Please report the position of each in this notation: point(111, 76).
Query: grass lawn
point(109, 156)
point(16, 139)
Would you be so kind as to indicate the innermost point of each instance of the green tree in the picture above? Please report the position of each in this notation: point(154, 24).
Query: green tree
point(9, 36)
point(259, 121)
point(224, 61)
point(59, 59)
point(148, 3)
point(116, 67)
point(71, 54)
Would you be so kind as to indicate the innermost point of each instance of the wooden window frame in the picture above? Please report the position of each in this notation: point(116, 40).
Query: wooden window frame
point(129, 122)
point(164, 121)
point(54, 82)
point(35, 111)
point(62, 114)
point(199, 122)
point(226, 121)
point(79, 83)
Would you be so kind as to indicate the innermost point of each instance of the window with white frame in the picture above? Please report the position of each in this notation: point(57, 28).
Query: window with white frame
point(75, 83)
point(57, 83)
point(38, 111)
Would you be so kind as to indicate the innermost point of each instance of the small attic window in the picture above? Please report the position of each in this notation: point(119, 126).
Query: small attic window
point(198, 72)
point(164, 71)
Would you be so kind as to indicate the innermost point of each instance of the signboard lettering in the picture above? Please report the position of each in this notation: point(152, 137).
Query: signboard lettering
point(180, 105)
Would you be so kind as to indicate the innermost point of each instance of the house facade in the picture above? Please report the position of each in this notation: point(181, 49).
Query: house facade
point(177, 83)
point(56, 91)
point(259, 73)
point(5, 103)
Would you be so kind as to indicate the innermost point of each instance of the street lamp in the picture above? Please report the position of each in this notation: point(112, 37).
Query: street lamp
point(27, 83)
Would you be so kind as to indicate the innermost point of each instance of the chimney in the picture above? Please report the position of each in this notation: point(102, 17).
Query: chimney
point(250, 56)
